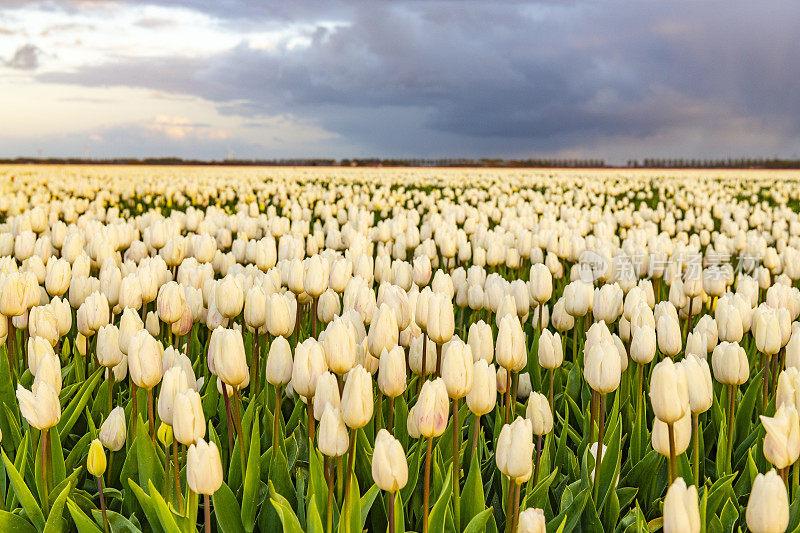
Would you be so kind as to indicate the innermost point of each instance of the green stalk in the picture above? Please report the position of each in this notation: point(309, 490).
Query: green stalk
point(696, 449)
point(456, 463)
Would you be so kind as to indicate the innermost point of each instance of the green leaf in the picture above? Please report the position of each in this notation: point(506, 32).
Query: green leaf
point(366, 503)
point(82, 522)
point(149, 463)
point(59, 469)
point(226, 509)
point(147, 505)
point(165, 516)
point(280, 478)
point(572, 514)
point(439, 510)
point(24, 495)
point(252, 479)
point(478, 522)
point(117, 522)
point(12, 523)
point(473, 501)
point(75, 407)
point(319, 487)
point(284, 510)
point(55, 522)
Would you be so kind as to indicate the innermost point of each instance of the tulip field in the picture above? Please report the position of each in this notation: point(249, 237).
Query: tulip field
point(227, 349)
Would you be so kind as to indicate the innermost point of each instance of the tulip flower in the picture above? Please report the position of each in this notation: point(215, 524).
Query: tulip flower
point(782, 442)
point(513, 456)
point(731, 368)
point(96, 466)
point(531, 521)
point(681, 509)
point(389, 469)
point(768, 505)
point(669, 398)
point(701, 397)
point(204, 473)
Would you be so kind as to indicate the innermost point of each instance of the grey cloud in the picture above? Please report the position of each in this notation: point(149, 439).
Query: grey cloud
point(25, 58)
point(438, 78)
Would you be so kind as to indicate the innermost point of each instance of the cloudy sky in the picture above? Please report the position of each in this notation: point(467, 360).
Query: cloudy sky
point(410, 78)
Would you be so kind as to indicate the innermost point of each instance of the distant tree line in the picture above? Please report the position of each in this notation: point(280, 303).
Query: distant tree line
point(649, 162)
point(743, 162)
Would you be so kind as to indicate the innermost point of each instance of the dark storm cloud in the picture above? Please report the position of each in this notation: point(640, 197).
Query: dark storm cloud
point(26, 57)
point(417, 77)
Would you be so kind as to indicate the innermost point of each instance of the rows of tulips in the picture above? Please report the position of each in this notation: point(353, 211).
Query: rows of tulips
point(398, 354)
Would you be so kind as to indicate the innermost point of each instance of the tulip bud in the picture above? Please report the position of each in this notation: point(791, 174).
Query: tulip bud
point(457, 368)
point(151, 324)
point(768, 505)
point(383, 331)
point(332, 439)
point(281, 314)
point(108, 352)
point(113, 431)
point(602, 369)
point(768, 332)
point(698, 383)
point(129, 325)
point(389, 465)
point(511, 350)
point(541, 283)
point(38, 349)
point(532, 520)
point(539, 413)
point(226, 356)
point(42, 322)
point(668, 394)
point(550, 351)
point(130, 292)
point(203, 468)
point(170, 302)
point(174, 382)
point(480, 341)
point(415, 355)
point(189, 423)
point(432, 408)
point(681, 510)
point(279, 362)
point(39, 406)
point(357, 398)
point(514, 450)
point(315, 276)
point(421, 270)
point(309, 364)
point(782, 442)
point(340, 346)
point(328, 306)
point(12, 296)
point(49, 371)
point(392, 372)
point(164, 434)
point(669, 335)
point(482, 397)
point(683, 435)
point(327, 393)
point(229, 296)
point(144, 360)
point(96, 460)
point(58, 276)
point(440, 323)
point(730, 365)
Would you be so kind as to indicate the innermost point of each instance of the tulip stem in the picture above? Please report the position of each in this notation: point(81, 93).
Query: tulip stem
point(639, 381)
point(314, 303)
point(438, 360)
point(329, 513)
point(110, 464)
point(475, 433)
point(601, 429)
point(538, 460)
point(134, 408)
point(765, 382)
point(102, 503)
point(311, 421)
point(237, 423)
point(276, 419)
point(351, 456)
point(456, 464)
point(696, 448)
point(207, 512)
point(379, 412)
point(426, 487)
point(390, 416)
point(673, 466)
point(45, 488)
point(510, 506)
point(229, 419)
point(110, 390)
point(515, 516)
point(550, 373)
point(255, 370)
point(390, 497)
point(731, 403)
point(176, 474)
point(151, 415)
